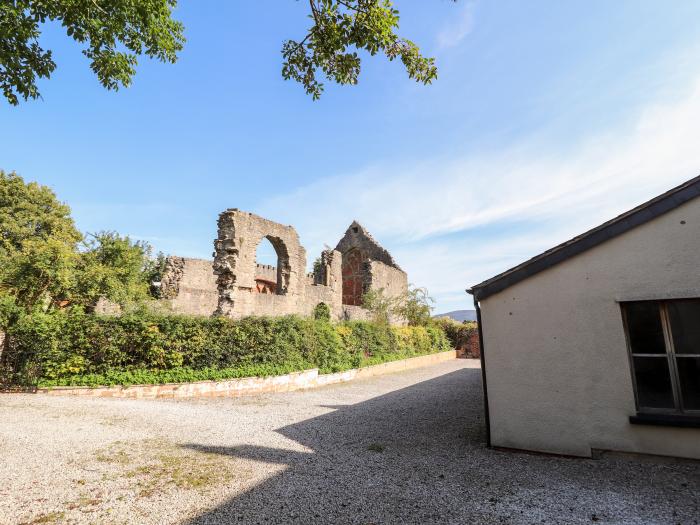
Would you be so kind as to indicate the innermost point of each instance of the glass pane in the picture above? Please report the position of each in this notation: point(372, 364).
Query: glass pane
point(653, 382)
point(689, 374)
point(685, 325)
point(644, 328)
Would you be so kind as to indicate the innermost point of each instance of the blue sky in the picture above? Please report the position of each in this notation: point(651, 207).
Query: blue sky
point(547, 118)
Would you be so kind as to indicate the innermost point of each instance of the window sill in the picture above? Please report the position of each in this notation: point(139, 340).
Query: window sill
point(666, 420)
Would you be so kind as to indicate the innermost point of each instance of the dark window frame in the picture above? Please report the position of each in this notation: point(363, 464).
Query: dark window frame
point(679, 411)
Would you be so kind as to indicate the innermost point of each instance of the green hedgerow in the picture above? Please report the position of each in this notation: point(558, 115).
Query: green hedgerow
point(71, 347)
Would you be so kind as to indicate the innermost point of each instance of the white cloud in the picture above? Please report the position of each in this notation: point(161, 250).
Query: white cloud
point(457, 29)
point(413, 208)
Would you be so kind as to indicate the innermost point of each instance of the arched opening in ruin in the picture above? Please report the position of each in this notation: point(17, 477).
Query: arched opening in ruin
point(272, 269)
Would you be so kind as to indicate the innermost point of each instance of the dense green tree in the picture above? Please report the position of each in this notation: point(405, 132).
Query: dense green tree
point(379, 305)
point(41, 274)
point(113, 267)
point(31, 211)
point(45, 262)
point(155, 267)
point(38, 242)
point(339, 29)
point(115, 33)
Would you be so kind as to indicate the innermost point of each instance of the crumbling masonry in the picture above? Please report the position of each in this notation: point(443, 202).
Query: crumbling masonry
point(236, 286)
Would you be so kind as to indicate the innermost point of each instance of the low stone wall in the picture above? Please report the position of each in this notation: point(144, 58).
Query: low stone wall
point(250, 385)
point(387, 368)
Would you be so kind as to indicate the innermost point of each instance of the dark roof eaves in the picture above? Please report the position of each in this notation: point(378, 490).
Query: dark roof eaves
point(627, 221)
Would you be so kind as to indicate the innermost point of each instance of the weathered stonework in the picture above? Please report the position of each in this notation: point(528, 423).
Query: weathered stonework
point(368, 266)
point(172, 275)
point(188, 286)
point(245, 288)
point(234, 285)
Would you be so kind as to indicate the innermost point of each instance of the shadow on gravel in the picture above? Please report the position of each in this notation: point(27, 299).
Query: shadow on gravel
point(417, 455)
point(383, 448)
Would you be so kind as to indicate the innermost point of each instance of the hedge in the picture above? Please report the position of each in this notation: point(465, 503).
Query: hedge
point(460, 335)
point(71, 348)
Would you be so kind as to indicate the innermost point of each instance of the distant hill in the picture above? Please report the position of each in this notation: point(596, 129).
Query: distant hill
point(460, 315)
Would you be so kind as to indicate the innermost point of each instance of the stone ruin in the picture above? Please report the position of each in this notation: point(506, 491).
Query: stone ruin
point(189, 286)
point(235, 285)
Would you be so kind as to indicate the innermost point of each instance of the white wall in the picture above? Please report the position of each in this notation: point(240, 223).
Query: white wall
point(557, 367)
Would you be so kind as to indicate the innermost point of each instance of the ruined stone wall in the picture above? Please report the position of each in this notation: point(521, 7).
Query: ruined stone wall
point(265, 279)
point(355, 313)
point(355, 276)
point(367, 266)
point(236, 286)
point(266, 272)
point(326, 287)
point(188, 286)
point(239, 234)
point(392, 280)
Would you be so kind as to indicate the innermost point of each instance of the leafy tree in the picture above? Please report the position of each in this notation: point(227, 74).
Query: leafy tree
point(322, 312)
point(412, 306)
point(155, 268)
point(340, 28)
point(115, 33)
point(415, 306)
point(31, 211)
point(380, 306)
point(113, 267)
point(41, 274)
point(38, 242)
point(318, 267)
point(45, 262)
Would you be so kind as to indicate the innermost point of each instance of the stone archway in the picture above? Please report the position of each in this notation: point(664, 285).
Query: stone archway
point(239, 234)
point(283, 267)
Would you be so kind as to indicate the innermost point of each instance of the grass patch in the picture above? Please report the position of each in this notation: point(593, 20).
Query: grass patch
point(113, 455)
point(51, 517)
point(181, 471)
point(83, 502)
point(168, 466)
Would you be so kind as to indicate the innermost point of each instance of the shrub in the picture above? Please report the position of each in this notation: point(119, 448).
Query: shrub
point(379, 305)
point(462, 336)
point(71, 347)
point(412, 306)
point(322, 312)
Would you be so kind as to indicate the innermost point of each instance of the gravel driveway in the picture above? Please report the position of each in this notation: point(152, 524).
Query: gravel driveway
point(401, 448)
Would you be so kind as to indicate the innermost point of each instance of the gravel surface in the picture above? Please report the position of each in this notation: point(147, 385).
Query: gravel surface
point(401, 448)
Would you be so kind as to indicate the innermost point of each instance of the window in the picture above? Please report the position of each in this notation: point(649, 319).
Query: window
point(664, 345)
